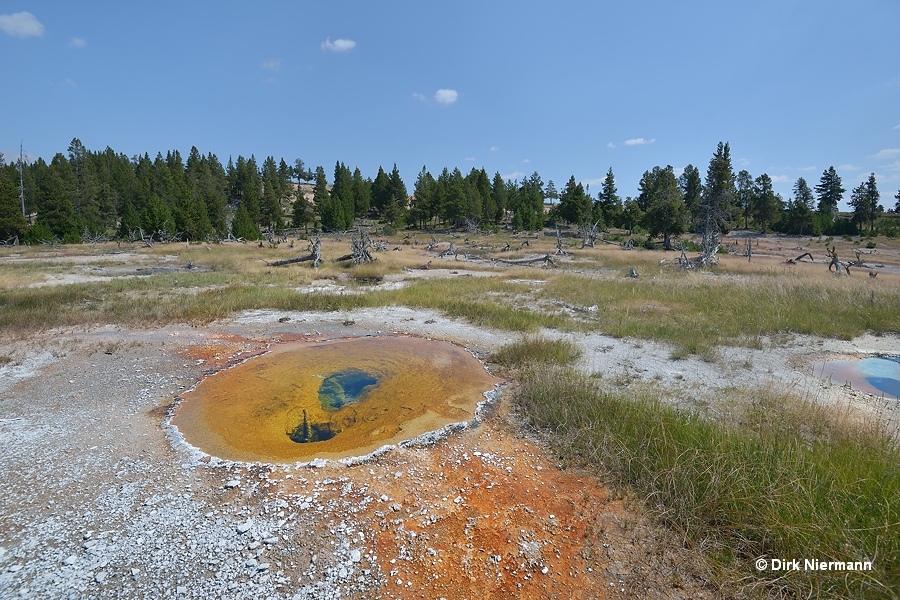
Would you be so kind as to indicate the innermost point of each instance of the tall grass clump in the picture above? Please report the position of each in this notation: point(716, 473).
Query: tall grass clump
point(783, 481)
point(533, 349)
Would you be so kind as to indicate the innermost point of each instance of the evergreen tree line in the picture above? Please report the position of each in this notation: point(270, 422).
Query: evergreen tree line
point(668, 205)
point(91, 193)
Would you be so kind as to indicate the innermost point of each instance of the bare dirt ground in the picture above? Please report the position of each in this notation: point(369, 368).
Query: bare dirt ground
point(103, 499)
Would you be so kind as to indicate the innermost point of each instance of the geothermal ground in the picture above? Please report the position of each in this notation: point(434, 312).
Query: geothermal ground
point(104, 499)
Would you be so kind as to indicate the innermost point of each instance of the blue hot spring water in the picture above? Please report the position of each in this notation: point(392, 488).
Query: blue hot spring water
point(345, 387)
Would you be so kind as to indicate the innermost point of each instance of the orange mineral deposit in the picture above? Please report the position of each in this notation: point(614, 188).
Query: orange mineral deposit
point(332, 399)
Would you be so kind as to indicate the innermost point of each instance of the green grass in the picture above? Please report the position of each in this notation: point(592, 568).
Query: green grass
point(532, 349)
point(784, 480)
point(204, 296)
point(698, 311)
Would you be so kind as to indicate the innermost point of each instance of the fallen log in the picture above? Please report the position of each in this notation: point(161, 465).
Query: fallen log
point(793, 261)
point(546, 259)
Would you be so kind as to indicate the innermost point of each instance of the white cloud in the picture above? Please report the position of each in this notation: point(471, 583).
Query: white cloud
point(513, 176)
point(470, 158)
point(848, 167)
point(445, 96)
point(77, 42)
point(610, 145)
point(338, 45)
point(21, 24)
point(780, 179)
point(887, 154)
point(494, 149)
point(896, 126)
point(638, 141)
point(593, 181)
point(526, 161)
point(742, 162)
point(272, 64)
point(806, 169)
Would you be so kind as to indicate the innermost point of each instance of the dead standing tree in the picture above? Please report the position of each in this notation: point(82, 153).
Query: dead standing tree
point(590, 234)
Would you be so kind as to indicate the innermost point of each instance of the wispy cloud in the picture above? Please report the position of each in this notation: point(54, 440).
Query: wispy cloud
point(494, 149)
point(338, 45)
point(887, 154)
point(21, 24)
point(445, 96)
point(77, 42)
point(272, 64)
point(896, 126)
point(526, 161)
point(470, 159)
point(780, 178)
point(514, 175)
point(610, 145)
point(638, 141)
point(848, 167)
point(813, 168)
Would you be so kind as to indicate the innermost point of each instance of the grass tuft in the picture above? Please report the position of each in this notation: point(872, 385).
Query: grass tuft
point(533, 350)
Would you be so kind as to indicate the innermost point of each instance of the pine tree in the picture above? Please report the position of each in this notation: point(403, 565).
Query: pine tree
point(381, 192)
point(395, 211)
point(662, 203)
point(608, 201)
point(500, 195)
point(243, 226)
point(800, 216)
point(342, 195)
point(744, 195)
point(362, 194)
point(12, 222)
point(829, 192)
point(425, 199)
point(551, 192)
point(273, 188)
point(719, 189)
point(865, 201)
point(766, 205)
point(691, 185)
point(574, 205)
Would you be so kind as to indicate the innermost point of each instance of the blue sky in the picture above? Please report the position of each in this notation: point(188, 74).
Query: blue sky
point(561, 88)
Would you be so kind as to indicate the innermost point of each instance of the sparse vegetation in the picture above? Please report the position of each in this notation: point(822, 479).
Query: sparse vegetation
point(784, 479)
point(769, 477)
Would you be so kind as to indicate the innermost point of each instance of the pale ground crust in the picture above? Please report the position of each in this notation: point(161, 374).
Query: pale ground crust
point(102, 499)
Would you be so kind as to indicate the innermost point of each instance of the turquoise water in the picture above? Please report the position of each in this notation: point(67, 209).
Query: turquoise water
point(345, 387)
point(877, 375)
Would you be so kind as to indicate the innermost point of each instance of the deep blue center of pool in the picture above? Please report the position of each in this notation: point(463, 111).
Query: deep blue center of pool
point(885, 384)
point(345, 387)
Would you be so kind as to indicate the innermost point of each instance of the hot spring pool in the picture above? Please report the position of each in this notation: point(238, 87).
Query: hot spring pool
point(334, 399)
